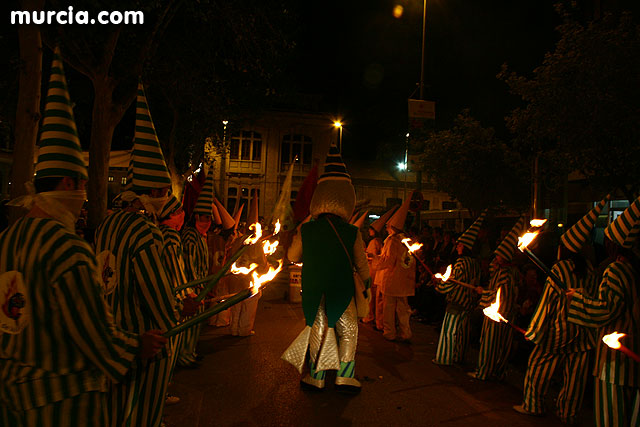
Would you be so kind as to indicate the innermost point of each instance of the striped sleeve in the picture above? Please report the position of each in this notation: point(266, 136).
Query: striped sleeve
point(596, 312)
point(89, 323)
point(540, 321)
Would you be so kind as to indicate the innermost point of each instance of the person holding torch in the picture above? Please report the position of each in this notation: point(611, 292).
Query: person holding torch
point(615, 308)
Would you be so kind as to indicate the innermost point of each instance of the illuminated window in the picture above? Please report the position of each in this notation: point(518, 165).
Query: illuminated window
point(296, 145)
point(123, 181)
point(246, 145)
point(110, 179)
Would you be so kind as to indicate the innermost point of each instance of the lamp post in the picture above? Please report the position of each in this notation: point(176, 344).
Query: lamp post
point(337, 124)
point(424, 36)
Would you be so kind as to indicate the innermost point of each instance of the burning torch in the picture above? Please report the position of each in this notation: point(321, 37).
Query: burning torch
point(412, 247)
point(492, 313)
point(526, 239)
point(611, 340)
point(447, 278)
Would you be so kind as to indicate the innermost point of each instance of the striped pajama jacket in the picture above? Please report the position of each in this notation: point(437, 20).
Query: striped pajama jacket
point(196, 261)
point(454, 336)
point(558, 341)
point(54, 370)
point(616, 308)
point(496, 338)
point(142, 300)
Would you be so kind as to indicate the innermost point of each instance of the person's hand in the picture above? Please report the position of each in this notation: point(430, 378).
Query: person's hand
point(151, 343)
point(570, 294)
point(479, 290)
point(189, 307)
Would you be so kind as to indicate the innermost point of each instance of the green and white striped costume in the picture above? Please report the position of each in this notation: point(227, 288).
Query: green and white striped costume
point(196, 261)
point(55, 369)
point(454, 336)
point(142, 300)
point(496, 338)
point(558, 342)
point(616, 308)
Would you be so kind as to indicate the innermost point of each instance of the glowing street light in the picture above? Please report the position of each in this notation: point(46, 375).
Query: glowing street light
point(338, 125)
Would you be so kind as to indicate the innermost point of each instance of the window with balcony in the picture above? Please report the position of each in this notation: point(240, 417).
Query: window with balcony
point(296, 145)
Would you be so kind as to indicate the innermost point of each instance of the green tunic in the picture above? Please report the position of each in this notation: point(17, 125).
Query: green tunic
point(326, 270)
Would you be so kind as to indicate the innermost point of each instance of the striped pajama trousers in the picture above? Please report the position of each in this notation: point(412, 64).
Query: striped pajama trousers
point(139, 399)
point(187, 353)
point(538, 377)
point(495, 346)
point(616, 405)
point(454, 338)
point(86, 409)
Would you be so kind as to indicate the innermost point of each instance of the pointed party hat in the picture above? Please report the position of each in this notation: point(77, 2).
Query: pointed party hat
point(172, 205)
point(149, 168)
point(398, 219)
point(576, 236)
point(59, 154)
point(227, 220)
point(129, 179)
point(205, 198)
point(360, 221)
point(334, 167)
point(379, 223)
point(624, 229)
point(252, 216)
point(236, 217)
point(508, 245)
point(334, 193)
point(215, 214)
point(468, 238)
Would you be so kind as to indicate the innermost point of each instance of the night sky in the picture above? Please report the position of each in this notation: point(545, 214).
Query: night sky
point(366, 63)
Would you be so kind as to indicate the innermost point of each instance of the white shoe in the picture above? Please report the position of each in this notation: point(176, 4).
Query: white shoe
point(171, 400)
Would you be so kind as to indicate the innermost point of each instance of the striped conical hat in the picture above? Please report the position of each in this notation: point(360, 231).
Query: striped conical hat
point(468, 238)
point(236, 217)
point(149, 168)
point(624, 230)
point(172, 205)
point(252, 216)
point(334, 167)
point(360, 221)
point(576, 236)
point(398, 219)
point(508, 245)
point(205, 198)
point(226, 218)
point(379, 223)
point(129, 180)
point(59, 154)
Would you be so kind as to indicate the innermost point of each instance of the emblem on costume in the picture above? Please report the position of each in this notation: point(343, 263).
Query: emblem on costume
point(107, 270)
point(14, 310)
point(407, 260)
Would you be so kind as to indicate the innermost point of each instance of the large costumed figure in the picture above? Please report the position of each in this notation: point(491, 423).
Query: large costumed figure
point(615, 308)
point(330, 249)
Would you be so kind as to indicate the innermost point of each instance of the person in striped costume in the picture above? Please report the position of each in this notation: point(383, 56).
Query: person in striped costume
point(454, 336)
point(330, 249)
point(196, 260)
point(58, 340)
point(496, 338)
point(616, 307)
point(399, 281)
point(556, 340)
point(143, 298)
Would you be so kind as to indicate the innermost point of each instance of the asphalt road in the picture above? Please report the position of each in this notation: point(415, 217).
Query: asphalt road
point(243, 382)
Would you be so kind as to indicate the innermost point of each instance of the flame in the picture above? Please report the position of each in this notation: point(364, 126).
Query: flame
point(492, 311)
point(256, 235)
point(243, 270)
point(537, 222)
point(259, 280)
point(413, 247)
point(612, 340)
point(276, 227)
point(270, 248)
point(446, 274)
point(524, 241)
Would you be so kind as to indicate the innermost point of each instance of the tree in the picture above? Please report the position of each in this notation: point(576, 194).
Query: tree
point(582, 105)
point(470, 164)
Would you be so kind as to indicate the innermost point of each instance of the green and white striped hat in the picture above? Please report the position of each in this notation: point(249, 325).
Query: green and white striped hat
point(506, 248)
point(149, 168)
point(60, 153)
point(576, 236)
point(468, 238)
point(205, 198)
point(334, 167)
point(624, 230)
point(172, 205)
point(129, 179)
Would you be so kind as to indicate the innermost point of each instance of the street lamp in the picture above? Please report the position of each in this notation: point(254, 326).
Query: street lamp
point(404, 166)
point(337, 124)
point(424, 34)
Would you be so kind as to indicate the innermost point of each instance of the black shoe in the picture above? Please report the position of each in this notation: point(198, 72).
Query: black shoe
point(199, 357)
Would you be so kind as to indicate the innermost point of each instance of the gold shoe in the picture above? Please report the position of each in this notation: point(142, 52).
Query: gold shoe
point(309, 383)
point(348, 385)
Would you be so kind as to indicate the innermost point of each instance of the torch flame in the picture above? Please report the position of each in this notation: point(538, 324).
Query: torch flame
point(270, 248)
point(276, 227)
point(524, 241)
point(243, 270)
point(256, 235)
point(413, 247)
point(259, 280)
point(446, 274)
point(537, 222)
point(612, 340)
point(492, 311)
